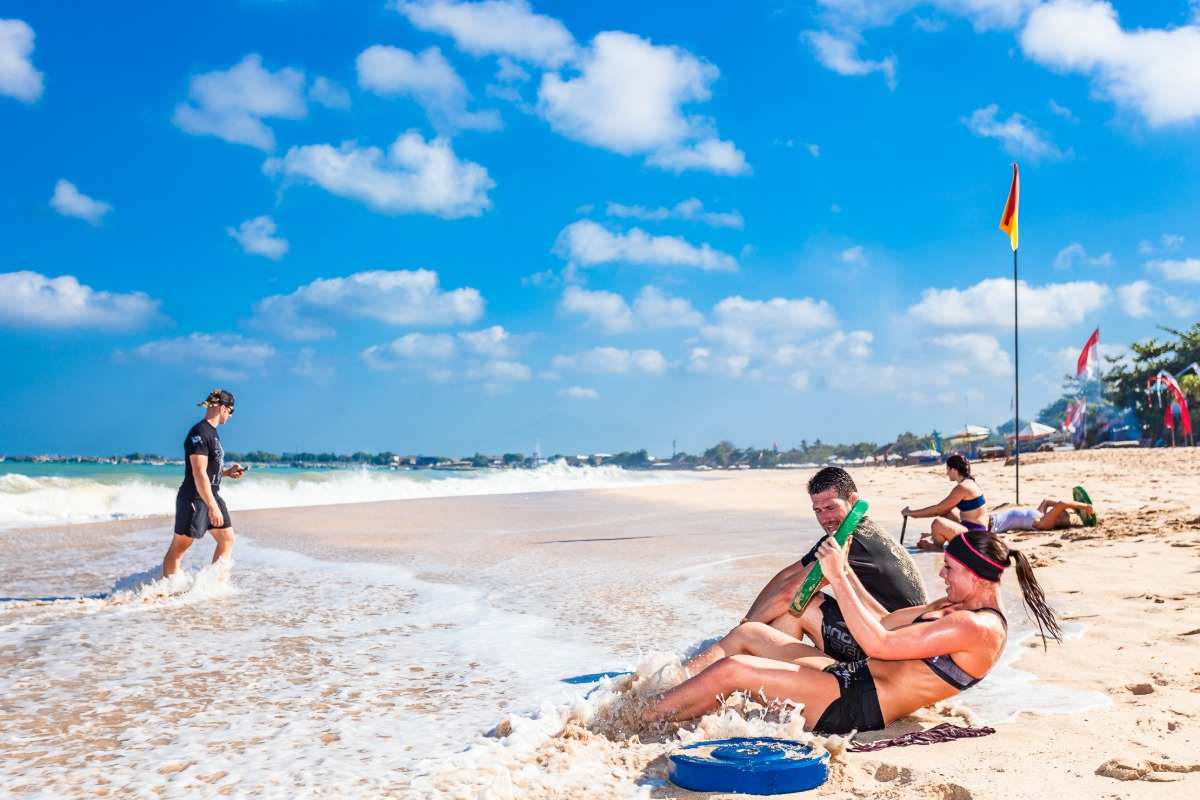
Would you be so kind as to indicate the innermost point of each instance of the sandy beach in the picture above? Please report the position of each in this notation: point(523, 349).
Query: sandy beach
point(363, 650)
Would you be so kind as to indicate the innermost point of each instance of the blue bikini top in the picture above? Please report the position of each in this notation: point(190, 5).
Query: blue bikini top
point(971, 505)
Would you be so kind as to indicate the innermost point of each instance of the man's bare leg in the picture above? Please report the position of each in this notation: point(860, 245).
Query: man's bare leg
point(755, 639)
point(179, 546)
point(225, 540)
point(807, 624)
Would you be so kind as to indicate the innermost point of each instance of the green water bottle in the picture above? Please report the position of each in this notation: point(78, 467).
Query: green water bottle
point(809, 588)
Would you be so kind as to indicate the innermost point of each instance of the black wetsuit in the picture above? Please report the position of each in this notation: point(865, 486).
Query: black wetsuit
point(191, 512)
point(886, 571)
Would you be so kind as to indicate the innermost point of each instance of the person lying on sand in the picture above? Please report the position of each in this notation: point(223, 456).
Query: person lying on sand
point(884, 569)
point(965, 508)
point(1049, 515)
point(915, 656)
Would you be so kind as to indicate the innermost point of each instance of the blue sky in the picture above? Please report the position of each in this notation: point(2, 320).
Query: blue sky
point(441, 226)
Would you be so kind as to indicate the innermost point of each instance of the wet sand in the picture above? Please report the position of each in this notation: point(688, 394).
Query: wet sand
point(615, 574)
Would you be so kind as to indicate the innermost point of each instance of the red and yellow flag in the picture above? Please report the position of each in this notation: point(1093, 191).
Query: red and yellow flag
point(1008, 220)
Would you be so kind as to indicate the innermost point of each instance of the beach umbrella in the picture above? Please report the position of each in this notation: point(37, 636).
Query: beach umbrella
point(969, 433)
point(931, 453)
point(1034, 430)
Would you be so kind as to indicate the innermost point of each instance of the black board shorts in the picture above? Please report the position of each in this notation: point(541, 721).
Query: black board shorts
point(191, 516)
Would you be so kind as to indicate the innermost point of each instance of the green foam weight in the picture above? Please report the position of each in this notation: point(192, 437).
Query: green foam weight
point(841, 535)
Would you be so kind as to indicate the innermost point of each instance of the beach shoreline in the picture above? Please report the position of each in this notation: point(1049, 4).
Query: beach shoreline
point(620, 571)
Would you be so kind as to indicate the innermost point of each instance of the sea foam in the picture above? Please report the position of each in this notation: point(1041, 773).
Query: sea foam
point(27, 501)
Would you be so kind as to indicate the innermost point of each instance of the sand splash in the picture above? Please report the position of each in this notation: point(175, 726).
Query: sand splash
point(596, 745)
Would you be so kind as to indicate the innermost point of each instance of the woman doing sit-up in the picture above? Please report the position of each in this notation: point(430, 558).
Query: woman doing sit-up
point(964, 508)
point(916, 656)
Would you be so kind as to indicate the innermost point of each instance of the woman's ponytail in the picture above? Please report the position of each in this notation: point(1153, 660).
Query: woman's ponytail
point(1035, 599)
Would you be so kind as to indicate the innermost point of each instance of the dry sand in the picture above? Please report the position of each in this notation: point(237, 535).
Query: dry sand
point(607, 555)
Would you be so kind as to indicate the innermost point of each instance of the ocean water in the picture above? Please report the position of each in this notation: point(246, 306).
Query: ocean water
point(34, 495)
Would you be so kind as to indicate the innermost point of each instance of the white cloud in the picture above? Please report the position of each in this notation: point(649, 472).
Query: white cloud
point(839, 52)
point(257, 237)
point(499, 372)
point(429, 79)
point(983, 14)
point(853, 255)
point(711, 155)
point(966, 354)
point(777, 316)
point(494, 342)
point(628, 97)
point(222, 356)
point(586, 243)
point(651, 309)
point(329, 93)
point(440, 356)
point(18, 78)
point(1171, 242)
point(508, 71)
point(836, 347)
point(33, 300)
point(746, 334)
point(70, 202)
point(606, 310)
point(414, 177)
point(691, 209)
point(1074, 255)
point(232, 104)
point(412, 347)
point(655, 309)
point(310, 367)
point(396, 297)
point(702, 359)
point(990, 303)
point(1154, 71)
point(613, 360)
point(1184, 270)
point(1062, 111)
point(1018, 136)
point(494, 27)
point(1137, 298)
point(579, 393)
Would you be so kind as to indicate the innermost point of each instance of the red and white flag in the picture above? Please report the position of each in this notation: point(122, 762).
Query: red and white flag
point(1087, 356)
point(1075, 411)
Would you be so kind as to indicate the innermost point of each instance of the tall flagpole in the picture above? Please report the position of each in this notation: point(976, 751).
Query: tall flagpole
point(1016, 385)
point(1009, 224)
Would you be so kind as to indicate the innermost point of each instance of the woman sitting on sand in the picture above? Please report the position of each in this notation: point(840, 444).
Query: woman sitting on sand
point(916, 656)
point(963, 509)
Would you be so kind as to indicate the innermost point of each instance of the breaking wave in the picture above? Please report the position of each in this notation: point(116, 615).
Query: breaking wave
point(27, 501)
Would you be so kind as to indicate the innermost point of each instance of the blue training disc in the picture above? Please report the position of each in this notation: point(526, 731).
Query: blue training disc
point(594, 677)
point(749, 766)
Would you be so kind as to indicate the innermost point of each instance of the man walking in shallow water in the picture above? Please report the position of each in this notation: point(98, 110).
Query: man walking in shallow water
point(199, 507)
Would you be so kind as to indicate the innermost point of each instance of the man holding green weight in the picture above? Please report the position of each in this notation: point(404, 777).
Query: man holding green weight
point(887, 573)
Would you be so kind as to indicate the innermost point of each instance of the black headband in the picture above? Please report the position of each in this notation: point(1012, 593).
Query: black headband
point(961, 551)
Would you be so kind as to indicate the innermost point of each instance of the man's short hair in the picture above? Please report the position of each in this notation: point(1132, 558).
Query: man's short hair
point(832, 478)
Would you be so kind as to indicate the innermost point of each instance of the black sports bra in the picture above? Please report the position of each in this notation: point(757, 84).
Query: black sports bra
point(945, 667)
